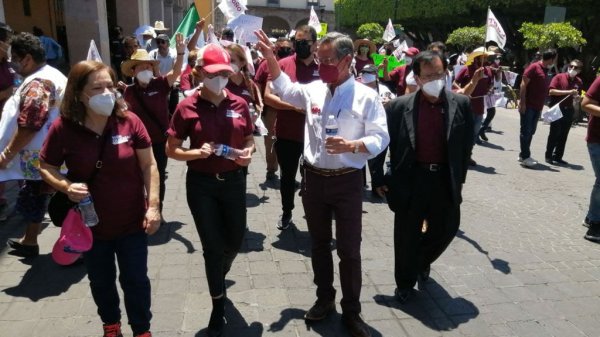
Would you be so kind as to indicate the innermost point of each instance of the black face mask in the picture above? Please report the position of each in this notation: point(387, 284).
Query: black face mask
point(302, 49)
point(284, 52)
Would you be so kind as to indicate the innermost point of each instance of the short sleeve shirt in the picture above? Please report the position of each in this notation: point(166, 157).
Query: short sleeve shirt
point(155, 103)
point(398, 76)
point(481, 89)
point(537, 88)
point(203, 122)
point(563, 81)
point(240, 90)
point(360, 64)
point(261, 76)
point(118, 188)
point(593, 131)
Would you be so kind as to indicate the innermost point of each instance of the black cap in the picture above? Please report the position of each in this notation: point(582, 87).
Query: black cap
point(369, 69)
point(163, 37)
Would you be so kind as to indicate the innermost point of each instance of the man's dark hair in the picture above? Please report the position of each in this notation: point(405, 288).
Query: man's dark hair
point(427, 57)
point(227, 33)
point(549, 54)
point(5, 32)
point(37, 31)
point(26, 43)
point(306, 29)
point(437, 45)
point(282, 39)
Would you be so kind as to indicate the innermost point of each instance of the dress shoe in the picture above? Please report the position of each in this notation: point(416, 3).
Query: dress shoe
point(402, 295)
point(472, 162)
point(549, 161)
point(560, 162)
point(22, 250)
point(320, 310)
point(355, 325)
point(483, 136)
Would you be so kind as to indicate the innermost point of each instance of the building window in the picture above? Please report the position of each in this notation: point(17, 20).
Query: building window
point(274, 3)
point(314, 3)
point(26, 8)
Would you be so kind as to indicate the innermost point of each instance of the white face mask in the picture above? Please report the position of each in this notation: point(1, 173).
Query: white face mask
point(216, 84)
point(497, 61)
point(145, 76)
point(368, 78)
point(572, 72)
point(408, 60)
point(235, 67)
point(434, 88)
point(102, 104)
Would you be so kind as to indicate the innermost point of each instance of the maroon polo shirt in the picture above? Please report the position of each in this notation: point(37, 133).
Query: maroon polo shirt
point(593, 131)
point(431, 135)
point(398, 76)
point(563, 81)
point(240, 90)
point(290, 124)
point(261, 75)
point(481, 89)
point(203, 122)
point(537, 89)
point(155, 102)
point(118, 187)
point(360, 64)
point(185, 82)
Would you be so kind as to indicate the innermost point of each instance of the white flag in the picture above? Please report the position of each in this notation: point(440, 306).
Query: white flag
point(313, 21)
point(494, 31)
point(389, 34)
point(402, 47)
point(232, 8)
point(93, 54)
point(212, 38)
point(552, 114)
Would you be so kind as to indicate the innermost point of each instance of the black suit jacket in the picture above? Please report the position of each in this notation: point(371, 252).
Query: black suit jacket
point(402, 114)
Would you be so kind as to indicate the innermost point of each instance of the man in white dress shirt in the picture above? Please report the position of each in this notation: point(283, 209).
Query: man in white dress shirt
point(332, 182)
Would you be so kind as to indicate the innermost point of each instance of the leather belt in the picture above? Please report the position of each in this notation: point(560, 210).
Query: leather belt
point(431, 167)
point(328, 172)
point(221, 176)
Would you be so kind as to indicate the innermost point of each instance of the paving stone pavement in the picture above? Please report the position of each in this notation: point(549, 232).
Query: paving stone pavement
point(518, 267)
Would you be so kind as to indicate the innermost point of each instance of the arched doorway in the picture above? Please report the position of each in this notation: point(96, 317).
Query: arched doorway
point(275, 26)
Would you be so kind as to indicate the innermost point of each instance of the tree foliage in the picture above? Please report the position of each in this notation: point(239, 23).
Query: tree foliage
point(372, 31)
point(551, 35)
point(467, 37)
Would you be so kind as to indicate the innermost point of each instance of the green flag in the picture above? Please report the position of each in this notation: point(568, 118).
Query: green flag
point(187, 25)
point(393, 62)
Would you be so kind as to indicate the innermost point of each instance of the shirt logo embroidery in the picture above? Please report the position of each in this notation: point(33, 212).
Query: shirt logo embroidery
point(118, 139)
point(232, 114)
point(245, 92)
point(316, 73)
point(152, 93)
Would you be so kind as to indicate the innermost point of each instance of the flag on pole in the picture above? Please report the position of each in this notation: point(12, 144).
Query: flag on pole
point(313, 20)
point(233, 8)
point(188, 25)
point(389, 34)
point(402, 47)
point(494, 31)
point(212, 38)
point(93, 54)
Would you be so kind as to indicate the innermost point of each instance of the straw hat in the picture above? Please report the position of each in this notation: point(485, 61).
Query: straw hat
point(372, 48)
point(159, 25)
point(140, 56)
point(481, 51)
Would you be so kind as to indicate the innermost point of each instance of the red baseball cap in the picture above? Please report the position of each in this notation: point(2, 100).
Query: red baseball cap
point(412, 51)
point(213, 59)
point(75, 238)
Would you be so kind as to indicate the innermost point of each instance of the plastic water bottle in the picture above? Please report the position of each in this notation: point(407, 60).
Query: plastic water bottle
point(88, 212)
point(331, 128)
point(228, 152)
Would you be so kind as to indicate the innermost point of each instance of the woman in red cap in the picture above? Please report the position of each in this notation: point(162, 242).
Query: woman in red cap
point(219, 127)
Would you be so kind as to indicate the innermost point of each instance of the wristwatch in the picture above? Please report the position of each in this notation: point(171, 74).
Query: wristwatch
point(356, 148)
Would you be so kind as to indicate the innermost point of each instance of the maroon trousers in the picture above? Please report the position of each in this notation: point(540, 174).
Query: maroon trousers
point(340, 195)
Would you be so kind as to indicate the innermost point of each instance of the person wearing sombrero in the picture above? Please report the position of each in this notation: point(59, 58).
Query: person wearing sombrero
point(363, 49)
point(148, 97)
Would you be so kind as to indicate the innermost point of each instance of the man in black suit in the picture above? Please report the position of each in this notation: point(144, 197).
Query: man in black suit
point(431, 138)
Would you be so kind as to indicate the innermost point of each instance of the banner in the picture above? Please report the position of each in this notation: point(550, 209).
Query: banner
point(245, 25)
point(393, 62)
point(313, 20)
point(93, 54)
point(402, 47)
point(232, 8)
point(323, 31)
point(389, 34)
point(494, 31)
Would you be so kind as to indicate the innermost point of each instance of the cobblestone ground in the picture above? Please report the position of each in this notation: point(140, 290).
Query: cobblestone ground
point(519, 266)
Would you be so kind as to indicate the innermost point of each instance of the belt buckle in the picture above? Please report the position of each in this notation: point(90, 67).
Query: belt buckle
point(434, 167)
point(218, 176)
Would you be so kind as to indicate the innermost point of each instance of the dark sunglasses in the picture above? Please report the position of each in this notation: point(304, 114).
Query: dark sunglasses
point(161, 42)
point(572, 66)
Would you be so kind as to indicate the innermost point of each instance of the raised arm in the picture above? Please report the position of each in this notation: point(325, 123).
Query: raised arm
point(176, 71)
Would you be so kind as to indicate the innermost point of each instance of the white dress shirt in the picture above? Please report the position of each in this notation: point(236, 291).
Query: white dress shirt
point(359, 113)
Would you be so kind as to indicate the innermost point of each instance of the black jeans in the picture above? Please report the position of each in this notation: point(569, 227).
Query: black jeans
point(430, 200)
point(219, 211)
point(288, 155)
point(491, 113)
point(132, 257)
point(161, 158)
point(559, 131)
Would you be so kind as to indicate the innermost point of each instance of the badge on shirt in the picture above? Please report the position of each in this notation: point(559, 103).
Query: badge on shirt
point(316, 73)
point(232, 114)
point(152, 93)
point(245, 92)
point(118, 139)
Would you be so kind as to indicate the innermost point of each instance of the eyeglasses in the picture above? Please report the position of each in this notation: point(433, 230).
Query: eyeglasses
point(326, 60)
point(161, 42)
point(572, 66)
point(432, 77)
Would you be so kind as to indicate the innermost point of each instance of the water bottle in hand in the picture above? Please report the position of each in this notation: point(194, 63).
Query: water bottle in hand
point(331, 128)
point(228, 152)
point(88, 212)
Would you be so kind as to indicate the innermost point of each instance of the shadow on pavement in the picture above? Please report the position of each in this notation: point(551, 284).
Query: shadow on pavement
point(498, 264)
point(484, 169)
point(573, 167)
point(542, 167)
point(252, 200)
point(236, 324)
point(431, 303)
point(491, 146)
point(293, 240)
point(45, 278)
point(167, 232)
point(330, 326)
point(253, 242)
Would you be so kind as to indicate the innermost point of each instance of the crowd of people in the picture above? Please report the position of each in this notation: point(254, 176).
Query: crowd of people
point(323, 108)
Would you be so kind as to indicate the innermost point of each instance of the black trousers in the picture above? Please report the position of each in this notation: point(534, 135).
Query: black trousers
point(559, 131)
point(288, 155)
point(376, 169)
point(491, 113)
point(218, 206)
point(160, 155)
point(430, 200)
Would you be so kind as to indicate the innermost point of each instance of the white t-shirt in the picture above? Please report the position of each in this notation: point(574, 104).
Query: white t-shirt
point(166, 62)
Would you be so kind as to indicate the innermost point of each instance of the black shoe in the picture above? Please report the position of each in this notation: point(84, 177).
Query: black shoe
point(549, 161)
point(297, 185)
point(586, 222)
point(402, 295)
point(284, 221)
point(217, 319)
point(472, 162)
point(355, 325)
point(593, 233)
point(271, 175)
point(22, 250)
point(560, 162)
point(483, 136)
point(424, 274)
point(320, 310)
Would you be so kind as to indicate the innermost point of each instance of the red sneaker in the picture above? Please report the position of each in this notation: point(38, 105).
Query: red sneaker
point(112, 330)
point(145, 334)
